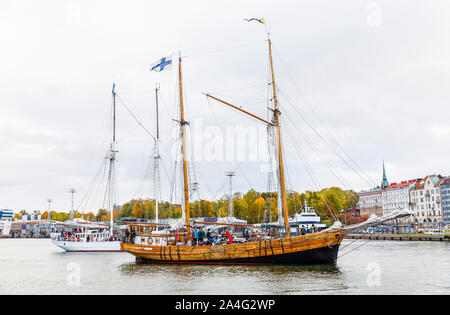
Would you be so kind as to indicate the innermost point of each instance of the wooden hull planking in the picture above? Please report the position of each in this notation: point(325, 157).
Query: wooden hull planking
point(319, 248)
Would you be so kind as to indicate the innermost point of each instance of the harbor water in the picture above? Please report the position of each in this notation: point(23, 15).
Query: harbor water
point(36, 266)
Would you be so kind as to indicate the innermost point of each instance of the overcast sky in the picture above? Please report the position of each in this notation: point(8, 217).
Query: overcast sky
point(371, 77)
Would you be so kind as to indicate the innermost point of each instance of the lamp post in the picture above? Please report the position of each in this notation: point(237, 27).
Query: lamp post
point(49, 208)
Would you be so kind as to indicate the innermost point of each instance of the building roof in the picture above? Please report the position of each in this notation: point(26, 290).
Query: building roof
point(402, 184)
point(446, 181)
point(440, 182)
point(435, 179)
point(373, 191)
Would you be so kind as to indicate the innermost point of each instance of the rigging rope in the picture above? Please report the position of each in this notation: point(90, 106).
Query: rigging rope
point(361, 173)
point(135, 118)
point(317, 152)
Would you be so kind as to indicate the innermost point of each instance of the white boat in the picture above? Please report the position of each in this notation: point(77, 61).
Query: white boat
point(89, 241)
point(5, 221)
point(307, 219)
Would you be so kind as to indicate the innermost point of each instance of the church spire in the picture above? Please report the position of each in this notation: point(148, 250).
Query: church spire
point(385, 182)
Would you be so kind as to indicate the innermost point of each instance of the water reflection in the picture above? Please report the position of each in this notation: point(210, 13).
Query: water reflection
point(139, 269)
point(206, 279)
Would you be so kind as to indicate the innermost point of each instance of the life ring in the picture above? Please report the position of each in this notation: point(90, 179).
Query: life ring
point(150, 241)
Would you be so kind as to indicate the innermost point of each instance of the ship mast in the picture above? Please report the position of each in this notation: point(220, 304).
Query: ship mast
point(112, 158)
point(157, 157)
point(276, 111)
point(183, 124)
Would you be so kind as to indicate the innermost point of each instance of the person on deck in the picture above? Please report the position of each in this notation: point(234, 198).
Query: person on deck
point(246, 234)
point(229, 237)
point(133, 235)
point(196, 237)
point(178, 237)
point(201, 236)
point(127, 234)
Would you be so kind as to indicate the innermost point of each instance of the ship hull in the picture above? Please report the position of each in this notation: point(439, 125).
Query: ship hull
point(88, 246)
point(320, 248)
point(323, 255)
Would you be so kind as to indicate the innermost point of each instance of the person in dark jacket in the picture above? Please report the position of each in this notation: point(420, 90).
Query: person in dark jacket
point(201, 235)
point(133, 235)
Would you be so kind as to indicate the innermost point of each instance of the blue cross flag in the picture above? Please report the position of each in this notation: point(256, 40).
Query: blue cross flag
point(162, 64)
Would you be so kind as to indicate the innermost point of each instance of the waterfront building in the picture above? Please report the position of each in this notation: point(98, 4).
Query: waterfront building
point(445, 201)
point(396, 196)
point(425, 199)
point(370, 202)
point(35, 216)
point(6, 216)
point(351, 215)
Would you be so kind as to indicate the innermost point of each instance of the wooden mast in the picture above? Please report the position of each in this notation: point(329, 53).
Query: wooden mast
point(280, 148)
point(183, 136)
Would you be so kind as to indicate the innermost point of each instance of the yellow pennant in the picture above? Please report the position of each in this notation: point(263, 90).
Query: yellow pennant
point(258, 20)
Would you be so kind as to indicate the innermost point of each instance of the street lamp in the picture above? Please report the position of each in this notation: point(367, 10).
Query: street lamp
point(49, 207)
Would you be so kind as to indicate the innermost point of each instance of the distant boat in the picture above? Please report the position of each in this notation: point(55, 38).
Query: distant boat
point(95, 240)
point(307, 219)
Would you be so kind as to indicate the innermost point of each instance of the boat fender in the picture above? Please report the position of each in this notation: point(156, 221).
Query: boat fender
point(150, 241)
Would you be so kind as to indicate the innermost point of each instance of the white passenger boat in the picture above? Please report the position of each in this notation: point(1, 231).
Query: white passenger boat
point(308, 218)
point(89, 241)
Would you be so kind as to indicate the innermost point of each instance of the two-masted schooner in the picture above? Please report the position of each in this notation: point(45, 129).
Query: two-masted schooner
point(178, 247)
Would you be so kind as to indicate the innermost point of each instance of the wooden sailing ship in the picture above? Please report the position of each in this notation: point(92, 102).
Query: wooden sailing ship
point(178, 247)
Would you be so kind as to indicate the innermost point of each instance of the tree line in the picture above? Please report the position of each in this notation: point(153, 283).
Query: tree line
point(253, 207)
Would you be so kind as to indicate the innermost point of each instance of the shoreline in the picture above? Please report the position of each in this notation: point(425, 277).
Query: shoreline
point(374, 237)
point(401, 237)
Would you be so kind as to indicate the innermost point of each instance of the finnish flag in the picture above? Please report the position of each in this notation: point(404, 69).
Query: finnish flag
point(160, 65)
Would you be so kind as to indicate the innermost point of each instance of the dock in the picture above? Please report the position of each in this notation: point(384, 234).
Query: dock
point(400, 237)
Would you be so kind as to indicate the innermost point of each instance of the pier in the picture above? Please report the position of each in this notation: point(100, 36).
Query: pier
point(401, 237)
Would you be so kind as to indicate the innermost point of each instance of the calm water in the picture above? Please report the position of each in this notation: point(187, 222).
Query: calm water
point(379, 267)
